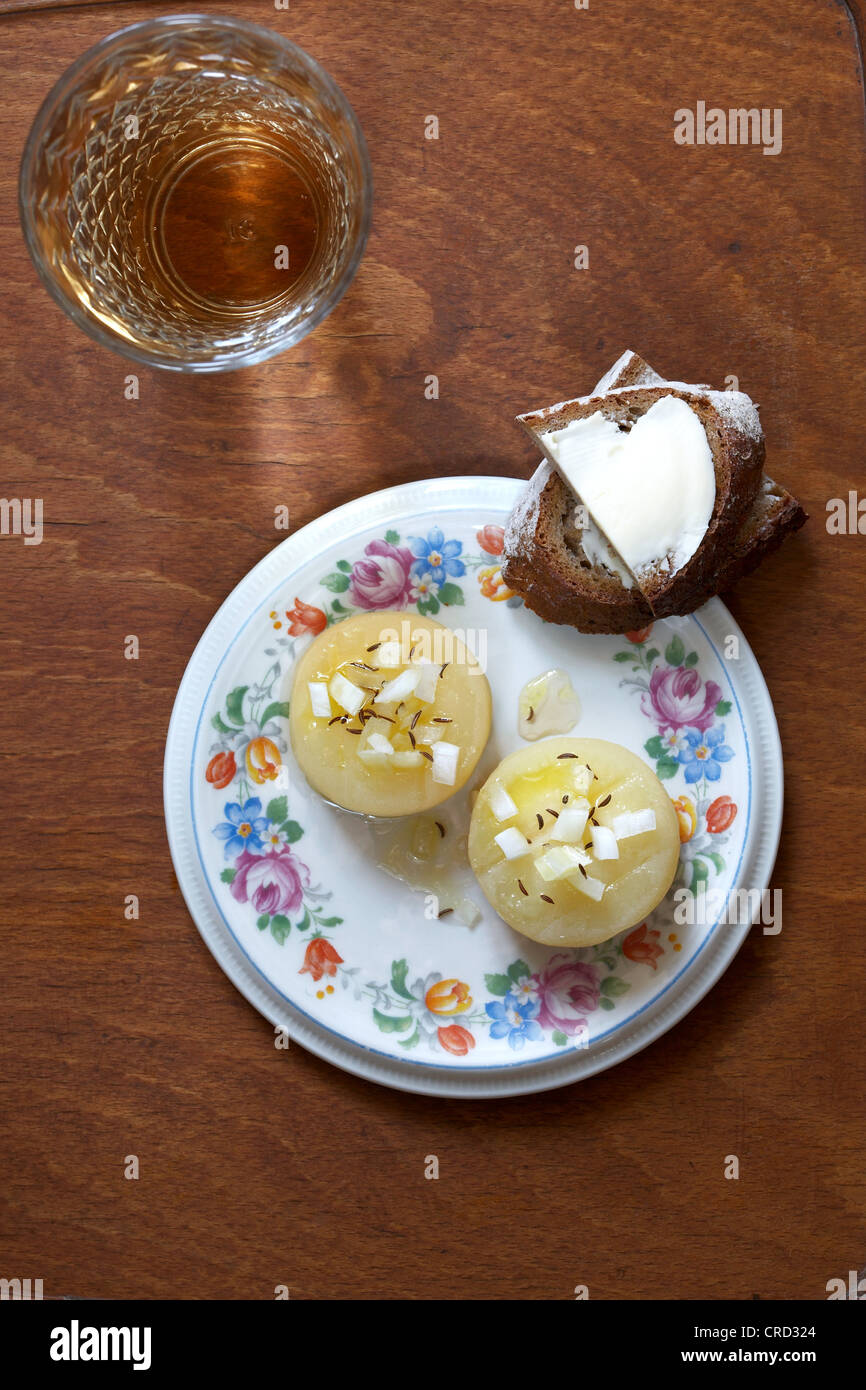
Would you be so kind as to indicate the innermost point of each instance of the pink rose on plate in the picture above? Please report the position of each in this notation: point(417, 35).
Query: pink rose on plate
point(678, 699)
point(382, 580)
point(567, 991)
point(271, 882)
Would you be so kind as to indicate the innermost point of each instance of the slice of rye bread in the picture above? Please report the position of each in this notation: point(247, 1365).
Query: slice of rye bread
point(736, 443)
point(545, 563)
point(774, 514)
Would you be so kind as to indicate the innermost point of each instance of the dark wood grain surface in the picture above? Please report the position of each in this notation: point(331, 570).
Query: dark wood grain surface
point(261, 1167)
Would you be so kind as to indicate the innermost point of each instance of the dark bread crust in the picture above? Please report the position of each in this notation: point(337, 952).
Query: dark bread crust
point(775, 514)
point(628, 370)
point(737, 447)
point(552, 578)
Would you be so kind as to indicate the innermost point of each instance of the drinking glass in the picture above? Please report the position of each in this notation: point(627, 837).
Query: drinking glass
point(196, 193)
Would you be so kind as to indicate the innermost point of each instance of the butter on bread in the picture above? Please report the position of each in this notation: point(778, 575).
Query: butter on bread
point(725, 425)
point(552, 555)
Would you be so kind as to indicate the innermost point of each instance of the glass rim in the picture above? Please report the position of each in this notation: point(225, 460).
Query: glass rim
point(65, 85)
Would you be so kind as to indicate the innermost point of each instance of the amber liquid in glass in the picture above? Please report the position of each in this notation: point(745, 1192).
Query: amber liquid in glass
point(237, 224)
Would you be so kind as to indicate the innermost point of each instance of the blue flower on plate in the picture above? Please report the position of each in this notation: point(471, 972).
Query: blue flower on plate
point(435, 558)
point(515, 1020)
point(704, 754)
point(243, 827)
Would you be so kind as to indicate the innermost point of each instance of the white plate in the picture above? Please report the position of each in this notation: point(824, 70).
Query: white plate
point(339, 954)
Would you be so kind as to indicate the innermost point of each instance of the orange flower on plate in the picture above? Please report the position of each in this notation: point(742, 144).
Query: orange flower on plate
point(639, 634)
point(455, 1039)
point(492, 584)
point(491, 539)
point(263, 760)
point(320, 959)
point(448, 997)
point(640, 945)
point(687, 817)
point(305, 618)
point(221, 769)
point(720, 814)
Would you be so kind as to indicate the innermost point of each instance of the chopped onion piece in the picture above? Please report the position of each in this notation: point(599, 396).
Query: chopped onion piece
point(633, 823)
point(604, 845)
point(428, 676)
point(469, 914)
point(512, 843)
point(445, 757)
point(429, 734)
point(407, 758)
point(592, 887)
point(320, 700)
point(380, 744)
point(387, 654)
point(345, 694)
point(375, 757)
point(400, 688)
point(372, 726)
point(582, 778)
point(501, 804)
point(558, 861)
point(571, 822)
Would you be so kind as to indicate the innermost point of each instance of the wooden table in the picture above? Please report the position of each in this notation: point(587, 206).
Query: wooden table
point(260, 1167)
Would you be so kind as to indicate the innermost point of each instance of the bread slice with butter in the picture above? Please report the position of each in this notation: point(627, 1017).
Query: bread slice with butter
point(568, 571)
point(666, 472)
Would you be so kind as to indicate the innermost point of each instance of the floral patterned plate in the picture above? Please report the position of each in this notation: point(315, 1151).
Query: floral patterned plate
point(355, 965)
